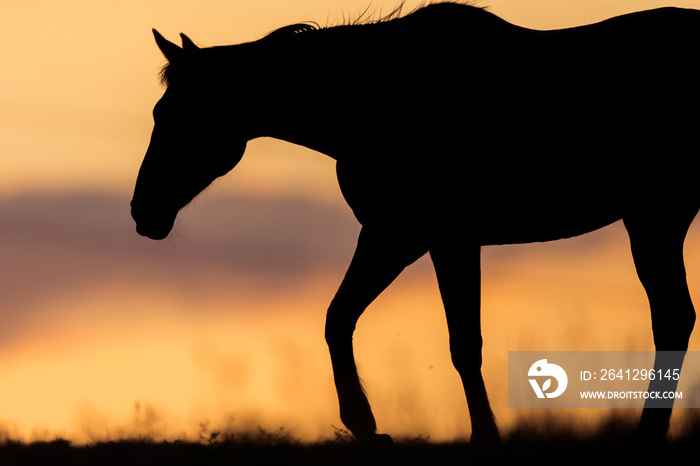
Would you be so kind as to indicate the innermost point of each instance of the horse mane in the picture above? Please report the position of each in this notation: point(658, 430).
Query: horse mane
point(290, 30)
point(366, 17)
point(165, 74)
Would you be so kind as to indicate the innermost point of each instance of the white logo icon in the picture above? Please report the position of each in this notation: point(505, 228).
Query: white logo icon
point(543, 369)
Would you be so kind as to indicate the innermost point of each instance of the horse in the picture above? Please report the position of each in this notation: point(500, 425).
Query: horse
point(453, 129)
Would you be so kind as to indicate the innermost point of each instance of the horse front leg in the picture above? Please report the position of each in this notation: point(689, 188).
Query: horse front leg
point(657, 249)
point(378, 260)
point(458, 268)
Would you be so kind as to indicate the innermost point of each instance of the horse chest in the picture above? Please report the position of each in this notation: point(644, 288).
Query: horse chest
point(381, 191)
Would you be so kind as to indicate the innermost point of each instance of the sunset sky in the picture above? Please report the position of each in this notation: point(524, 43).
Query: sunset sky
point(104, 334)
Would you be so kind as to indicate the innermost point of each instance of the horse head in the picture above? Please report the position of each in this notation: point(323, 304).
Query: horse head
point(191, 144)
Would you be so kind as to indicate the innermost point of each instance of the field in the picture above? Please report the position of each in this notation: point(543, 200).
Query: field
point(614, 443)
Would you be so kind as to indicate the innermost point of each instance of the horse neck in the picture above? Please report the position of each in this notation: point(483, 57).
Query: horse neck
point(301, 95)
point(335, 90)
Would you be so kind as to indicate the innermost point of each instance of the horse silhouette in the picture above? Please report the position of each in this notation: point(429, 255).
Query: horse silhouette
point(454, 129)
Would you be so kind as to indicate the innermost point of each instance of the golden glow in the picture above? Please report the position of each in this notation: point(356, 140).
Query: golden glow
point(128, 352)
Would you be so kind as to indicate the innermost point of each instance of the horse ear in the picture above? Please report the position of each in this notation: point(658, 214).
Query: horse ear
point(187, 43)
point(171, 51)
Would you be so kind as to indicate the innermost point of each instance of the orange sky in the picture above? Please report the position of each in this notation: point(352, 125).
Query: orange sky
point(106, 334)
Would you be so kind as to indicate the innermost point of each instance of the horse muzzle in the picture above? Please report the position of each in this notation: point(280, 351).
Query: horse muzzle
point(152, 223)
point(154, 232)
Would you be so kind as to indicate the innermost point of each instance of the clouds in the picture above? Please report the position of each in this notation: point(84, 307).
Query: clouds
point(61, 246)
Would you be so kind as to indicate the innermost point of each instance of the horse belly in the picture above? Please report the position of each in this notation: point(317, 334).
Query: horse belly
point(543, 210)
point(508, 226)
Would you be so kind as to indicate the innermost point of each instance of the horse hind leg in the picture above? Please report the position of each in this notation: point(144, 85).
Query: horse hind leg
point(657, 248)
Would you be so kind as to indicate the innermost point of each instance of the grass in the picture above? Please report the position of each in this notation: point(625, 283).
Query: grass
point(549, 442)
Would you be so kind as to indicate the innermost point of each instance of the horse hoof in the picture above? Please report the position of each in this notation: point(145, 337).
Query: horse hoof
point(651, 434)
point(653, 426)
point(485, 438)
point(376, 440)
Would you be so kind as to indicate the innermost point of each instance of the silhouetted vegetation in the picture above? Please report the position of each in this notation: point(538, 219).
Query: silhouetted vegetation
point(544, 439)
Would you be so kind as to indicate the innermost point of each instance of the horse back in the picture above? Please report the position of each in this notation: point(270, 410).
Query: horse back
point(529, 135)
